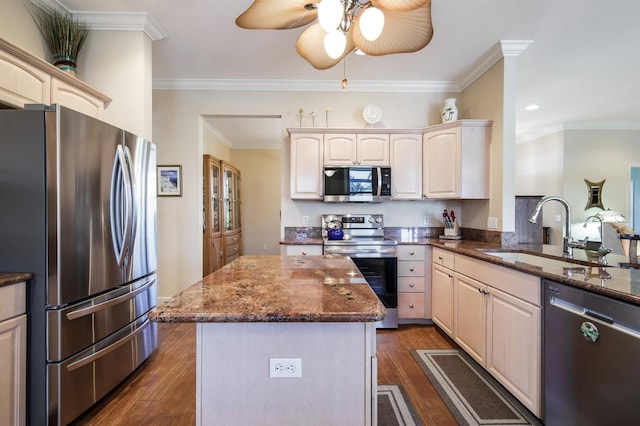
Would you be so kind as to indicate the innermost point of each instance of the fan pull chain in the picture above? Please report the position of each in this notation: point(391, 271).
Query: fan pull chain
point(344, 73)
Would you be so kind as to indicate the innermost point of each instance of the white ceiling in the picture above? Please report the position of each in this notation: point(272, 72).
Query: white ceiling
point(583, 66)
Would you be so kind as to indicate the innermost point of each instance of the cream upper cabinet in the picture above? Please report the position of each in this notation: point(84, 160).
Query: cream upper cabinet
point(306, 166)
point(26, 79)
point(406, 166)
point(456, 160)
point(21, 83)
point(72, 97)
point(356, 149)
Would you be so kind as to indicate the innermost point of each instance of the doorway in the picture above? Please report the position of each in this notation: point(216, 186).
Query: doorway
point(635, 197)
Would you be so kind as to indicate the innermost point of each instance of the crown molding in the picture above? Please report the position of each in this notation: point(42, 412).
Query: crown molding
point(575, 125)
point(305, 85)
point(208, 128)
point(130, 21)
point(114, 21)
point(504, 48)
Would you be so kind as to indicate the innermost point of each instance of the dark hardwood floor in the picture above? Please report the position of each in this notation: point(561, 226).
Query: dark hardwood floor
point(162, 390)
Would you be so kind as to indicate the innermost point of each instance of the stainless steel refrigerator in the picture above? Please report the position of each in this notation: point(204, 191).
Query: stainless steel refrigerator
point(78, 210)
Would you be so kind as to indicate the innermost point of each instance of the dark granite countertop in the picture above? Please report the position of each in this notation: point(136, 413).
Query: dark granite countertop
point(582, 271)
point(8, 278)
point(277, 289)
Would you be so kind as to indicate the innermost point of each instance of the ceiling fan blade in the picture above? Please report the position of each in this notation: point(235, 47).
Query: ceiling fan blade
point(276, 14)
point(310, 45)
point(399, 4)
point(404, 32)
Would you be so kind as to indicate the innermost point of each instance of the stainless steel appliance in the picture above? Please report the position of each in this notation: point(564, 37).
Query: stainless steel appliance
point(79, 211)
point(375, 256)
point(591, 355)
point(357, 184)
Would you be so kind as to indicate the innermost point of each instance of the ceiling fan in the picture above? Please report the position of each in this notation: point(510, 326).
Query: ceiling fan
point(376, 27)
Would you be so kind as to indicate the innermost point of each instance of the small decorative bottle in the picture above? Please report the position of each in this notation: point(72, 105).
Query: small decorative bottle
point(450, 110)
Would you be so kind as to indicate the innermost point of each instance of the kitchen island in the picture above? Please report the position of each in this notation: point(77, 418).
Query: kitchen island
point(265, 316)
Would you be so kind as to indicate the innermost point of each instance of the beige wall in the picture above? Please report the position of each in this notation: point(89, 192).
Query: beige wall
point(557, 164)
point(17, 27)
point(260, 208)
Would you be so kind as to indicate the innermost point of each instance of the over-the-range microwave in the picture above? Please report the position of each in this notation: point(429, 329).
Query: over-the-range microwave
point(357, 184)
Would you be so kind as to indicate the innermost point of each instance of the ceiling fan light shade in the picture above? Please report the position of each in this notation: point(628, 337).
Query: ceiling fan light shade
point(310, 46)
point(399, 4)
point(371, 23)
point(276, 14)
point(334, 44)
point(330, 14)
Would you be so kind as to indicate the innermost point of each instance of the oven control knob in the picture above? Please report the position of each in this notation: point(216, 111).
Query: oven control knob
point(370, 220)
point(378, 220)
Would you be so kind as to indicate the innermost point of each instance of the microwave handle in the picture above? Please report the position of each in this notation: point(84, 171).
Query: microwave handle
point(379, 176)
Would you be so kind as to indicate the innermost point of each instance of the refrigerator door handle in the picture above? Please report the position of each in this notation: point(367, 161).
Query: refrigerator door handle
point(79, 313)
point(133, 213)
point(102, 352)
point(120, 235)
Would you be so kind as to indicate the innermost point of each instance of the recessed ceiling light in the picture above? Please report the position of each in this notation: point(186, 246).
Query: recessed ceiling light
point(532, 107)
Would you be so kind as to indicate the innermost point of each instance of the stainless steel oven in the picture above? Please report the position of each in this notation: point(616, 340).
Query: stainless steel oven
point(376, 257)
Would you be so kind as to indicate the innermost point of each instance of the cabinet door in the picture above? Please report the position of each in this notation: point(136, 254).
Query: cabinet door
point(442, 298)
point(441, 162)
point(13, 370)
point(470, 321)
point(21, 83)
point(514, 348)
point(231, 198)
point(373, 150)
point(76, 99)
point(406, 167)
point(339, 150)
point(306, 166)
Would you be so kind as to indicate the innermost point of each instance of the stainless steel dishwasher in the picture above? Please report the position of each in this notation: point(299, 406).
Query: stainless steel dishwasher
point(591, 358)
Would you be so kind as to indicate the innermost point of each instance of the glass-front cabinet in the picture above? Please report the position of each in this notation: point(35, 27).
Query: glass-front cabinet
point(212, 250)
point(231, 191)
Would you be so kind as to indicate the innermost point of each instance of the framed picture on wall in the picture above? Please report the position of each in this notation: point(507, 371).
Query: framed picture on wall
point(169, 180)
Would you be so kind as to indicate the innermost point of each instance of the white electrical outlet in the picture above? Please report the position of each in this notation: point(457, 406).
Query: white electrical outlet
point(492, 223)
point(558, 218)
point(285, 367)
point(305, 220)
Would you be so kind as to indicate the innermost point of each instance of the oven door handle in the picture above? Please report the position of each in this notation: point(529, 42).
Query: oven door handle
point(362, 252)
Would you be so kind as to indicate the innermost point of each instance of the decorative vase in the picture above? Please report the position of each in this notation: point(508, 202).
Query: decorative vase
point(65, 63)
point(450, 110)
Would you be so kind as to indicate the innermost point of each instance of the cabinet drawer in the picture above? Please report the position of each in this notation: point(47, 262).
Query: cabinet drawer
point(411, 305)
point(516, 283)
point(444, 258)
point(13, 300)
point(231, 239)
point(410, 252)
point(304, 250)
point(411, 269)
point(411, 284)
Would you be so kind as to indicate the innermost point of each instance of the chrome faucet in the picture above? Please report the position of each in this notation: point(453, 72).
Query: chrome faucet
point(568, 243)
point(603, 251)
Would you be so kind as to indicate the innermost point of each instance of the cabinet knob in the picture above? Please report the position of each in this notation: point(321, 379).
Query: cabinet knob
point(411, 305)
point(483, 291)
point(411, 269)
point(411, 253)
point(450, 276)
point(304, 253)
point(440, 258)
point(412, 285)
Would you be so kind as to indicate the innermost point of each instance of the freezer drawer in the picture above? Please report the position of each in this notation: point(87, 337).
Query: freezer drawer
point(79, 326)
point(77, 383)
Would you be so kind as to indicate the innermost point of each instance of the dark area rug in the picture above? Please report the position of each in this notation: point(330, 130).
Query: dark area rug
point(470, 393)
point(394, 408)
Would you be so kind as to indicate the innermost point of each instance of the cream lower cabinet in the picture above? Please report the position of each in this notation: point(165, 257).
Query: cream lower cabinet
point(414, 283)
point(13, 354)
point(496, 320)
point(301, 250)
point(442, 289)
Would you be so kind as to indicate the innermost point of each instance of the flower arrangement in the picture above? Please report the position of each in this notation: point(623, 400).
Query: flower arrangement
point(63, 34)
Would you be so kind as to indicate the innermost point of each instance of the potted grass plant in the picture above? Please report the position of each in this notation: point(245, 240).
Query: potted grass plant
point(63, 34)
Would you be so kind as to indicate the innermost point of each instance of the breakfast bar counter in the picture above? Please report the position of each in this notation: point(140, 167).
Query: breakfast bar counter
point(282, 340)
